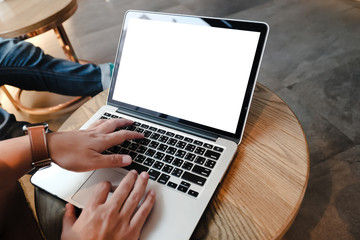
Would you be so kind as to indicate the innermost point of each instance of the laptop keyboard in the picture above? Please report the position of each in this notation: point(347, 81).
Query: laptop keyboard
point(171, 159)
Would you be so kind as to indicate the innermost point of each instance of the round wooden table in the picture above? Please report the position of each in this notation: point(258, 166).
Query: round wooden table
point(262, 191)
point(25, 19)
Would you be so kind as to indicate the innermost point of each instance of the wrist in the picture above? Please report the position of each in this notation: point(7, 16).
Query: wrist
point(38, 144)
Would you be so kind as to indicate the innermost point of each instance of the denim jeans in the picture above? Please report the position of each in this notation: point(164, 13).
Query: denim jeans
point(27, 67)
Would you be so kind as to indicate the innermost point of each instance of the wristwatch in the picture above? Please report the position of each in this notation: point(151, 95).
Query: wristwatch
point(39, 150)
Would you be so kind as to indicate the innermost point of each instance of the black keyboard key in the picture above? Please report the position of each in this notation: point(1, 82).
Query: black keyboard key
point(147, 133)
point(139, 168)
point(150, 152)
point(163, 139)
point(180, 153)
point(162, 147)
point(159, 155)
point(177, 172)
point(161, 131)
point(168, 159)
point(170, 134)
point(218, 149)
point(172, 141)
point(201, 170)
point(167, 168)
point(209, 146)
point(130, 128)
point(153, 144)
point(194, 178)
point(182, 188)
point(210, 163)
point(139, 130)
point(124, 151)
point(172, 184)
point(114, 116)
point(140, 158)
point(153, 129)
point(114, 149)
point(200, 150)
point(193, 193)
point(141, 149)
point(189, 140)
point(153, 174)
point(199, 143)
point(171, 150)
point(145, 126)
point(144, 141)
point(155, 136)
point(178, 162)
point(133, 146)
point(212, 154)
point(177, 136)
point(137, 124)
point(187, 165)
point(186, 184)
point(181, 144)
point(148, 162)
point(164, 178)
point(133, 155)
point(190, 147)
point(103, 117)
point(125, 144)
point(158, 165)
point(190, 157)
point(200, 160)
point(107, 114)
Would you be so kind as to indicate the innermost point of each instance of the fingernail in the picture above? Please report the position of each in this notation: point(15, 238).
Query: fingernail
point(134, 172)
point(144, 175)
point(127, 160)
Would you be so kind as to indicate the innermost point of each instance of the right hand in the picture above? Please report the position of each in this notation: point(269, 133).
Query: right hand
point(118, 218)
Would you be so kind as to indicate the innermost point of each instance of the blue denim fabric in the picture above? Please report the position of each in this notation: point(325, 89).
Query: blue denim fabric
point(27, 67)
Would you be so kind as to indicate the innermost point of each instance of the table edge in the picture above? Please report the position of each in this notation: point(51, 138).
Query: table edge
point(46, 24)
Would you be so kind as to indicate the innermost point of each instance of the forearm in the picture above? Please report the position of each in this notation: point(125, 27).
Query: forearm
point(15, 159)
point(27, 67)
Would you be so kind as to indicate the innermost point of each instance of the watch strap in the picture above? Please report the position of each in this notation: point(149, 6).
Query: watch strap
point(39, 149)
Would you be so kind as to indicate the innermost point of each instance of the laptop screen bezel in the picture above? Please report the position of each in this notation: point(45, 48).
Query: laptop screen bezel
point(260, 27)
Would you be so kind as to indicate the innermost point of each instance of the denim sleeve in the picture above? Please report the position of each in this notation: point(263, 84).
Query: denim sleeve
point(27, 67)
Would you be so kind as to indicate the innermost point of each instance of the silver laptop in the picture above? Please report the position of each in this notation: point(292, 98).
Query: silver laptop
point(187, 83)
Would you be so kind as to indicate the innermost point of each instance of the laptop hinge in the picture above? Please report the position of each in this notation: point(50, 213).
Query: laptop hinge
point(169, 124)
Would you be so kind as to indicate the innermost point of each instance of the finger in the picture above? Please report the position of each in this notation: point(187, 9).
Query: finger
point(123, 190)
point(119, 137)
point(110, 161)
point(96, 123)
point(100, 194)
point(144, 210)
point(135, 196)
point(69, 218)
point(110, 125)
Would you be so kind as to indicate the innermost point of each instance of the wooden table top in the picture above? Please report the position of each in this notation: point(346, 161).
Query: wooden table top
point(32, 17)
point(262, 191)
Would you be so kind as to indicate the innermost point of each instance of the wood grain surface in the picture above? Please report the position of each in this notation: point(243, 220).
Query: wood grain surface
point(262, 191)
point(20, 17)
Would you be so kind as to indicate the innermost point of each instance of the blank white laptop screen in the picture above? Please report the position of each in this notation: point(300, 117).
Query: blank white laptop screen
point(182, 59)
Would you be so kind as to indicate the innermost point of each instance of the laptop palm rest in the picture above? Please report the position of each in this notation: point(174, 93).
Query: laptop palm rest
point(87, 190)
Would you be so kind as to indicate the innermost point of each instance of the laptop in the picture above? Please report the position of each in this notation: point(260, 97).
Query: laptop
point(187, 83)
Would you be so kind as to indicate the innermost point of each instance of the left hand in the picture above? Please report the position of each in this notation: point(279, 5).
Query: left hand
point(81, 150)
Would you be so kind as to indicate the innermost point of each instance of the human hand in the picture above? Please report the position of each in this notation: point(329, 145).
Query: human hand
point(118, 218)
point(81, 150)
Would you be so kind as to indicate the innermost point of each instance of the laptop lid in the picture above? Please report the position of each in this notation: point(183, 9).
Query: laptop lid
point(164, 59)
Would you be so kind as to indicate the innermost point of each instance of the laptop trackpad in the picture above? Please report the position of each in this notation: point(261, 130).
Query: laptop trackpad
point(86, 191)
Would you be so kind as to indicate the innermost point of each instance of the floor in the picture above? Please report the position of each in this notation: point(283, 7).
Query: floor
point(312, 61)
